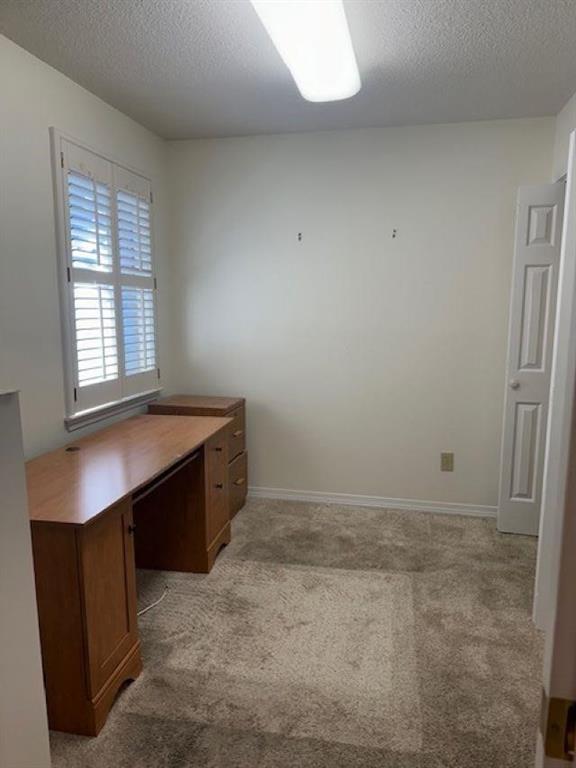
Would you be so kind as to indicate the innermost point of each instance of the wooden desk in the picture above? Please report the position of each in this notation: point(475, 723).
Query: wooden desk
point(149, 491)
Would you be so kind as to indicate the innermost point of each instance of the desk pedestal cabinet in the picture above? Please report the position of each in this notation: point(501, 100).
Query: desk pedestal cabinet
point(86, 591)
point(151, 491)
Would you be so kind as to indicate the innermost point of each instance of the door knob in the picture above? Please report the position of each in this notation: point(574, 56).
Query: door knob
point(514, 384)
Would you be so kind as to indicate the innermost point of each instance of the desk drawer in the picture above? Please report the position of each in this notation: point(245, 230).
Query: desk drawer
point(217, 510)
point(238, 483)
point(236, 433)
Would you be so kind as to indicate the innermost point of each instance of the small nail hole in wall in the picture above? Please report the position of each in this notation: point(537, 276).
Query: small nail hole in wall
point(299, 236)
point(394, 233)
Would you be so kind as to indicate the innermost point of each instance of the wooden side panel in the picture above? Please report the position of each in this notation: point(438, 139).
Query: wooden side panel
point(170, 521)
point(61, 626)
point(238, 483)
point(108, 577)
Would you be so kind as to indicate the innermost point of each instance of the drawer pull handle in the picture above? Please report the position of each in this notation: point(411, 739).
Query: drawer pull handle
point(238, 433)
point(219, 485)
point(240, 481)
point(131, 528)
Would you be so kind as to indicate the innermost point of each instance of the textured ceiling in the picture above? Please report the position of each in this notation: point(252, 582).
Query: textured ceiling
point(189, 68)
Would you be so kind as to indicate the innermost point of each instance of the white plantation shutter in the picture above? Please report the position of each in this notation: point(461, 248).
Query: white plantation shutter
point(95, 330)
point(134, 244)
point(139, 332)
point(133, 195)
point(110, 287)
point(90, 212)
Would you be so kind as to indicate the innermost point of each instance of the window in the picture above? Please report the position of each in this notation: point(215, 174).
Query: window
point(108, 283)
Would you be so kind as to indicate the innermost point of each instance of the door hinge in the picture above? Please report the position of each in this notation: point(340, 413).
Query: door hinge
point(155, 284)
point(75, 395)
point(151, 198)
point(559, 720)
point(61, 159)
point(68, 273)
point(158, 371)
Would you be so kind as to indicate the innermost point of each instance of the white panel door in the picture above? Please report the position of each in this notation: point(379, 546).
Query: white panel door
point(539, 217)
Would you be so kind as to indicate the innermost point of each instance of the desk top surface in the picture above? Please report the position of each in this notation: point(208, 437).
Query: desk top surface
point(74, 487)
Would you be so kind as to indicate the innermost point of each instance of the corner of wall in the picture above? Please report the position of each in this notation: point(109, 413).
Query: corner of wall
point(565, 124)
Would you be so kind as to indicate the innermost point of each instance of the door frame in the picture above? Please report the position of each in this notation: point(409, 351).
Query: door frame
point(554, 608)
point(559, 417)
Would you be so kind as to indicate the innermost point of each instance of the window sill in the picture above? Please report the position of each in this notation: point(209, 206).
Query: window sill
point(94, 415)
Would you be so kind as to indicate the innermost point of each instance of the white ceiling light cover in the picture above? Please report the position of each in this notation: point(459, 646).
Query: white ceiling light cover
point(313, 40)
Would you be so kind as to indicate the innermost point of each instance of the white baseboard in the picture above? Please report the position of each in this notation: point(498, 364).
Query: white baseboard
point(440, 507)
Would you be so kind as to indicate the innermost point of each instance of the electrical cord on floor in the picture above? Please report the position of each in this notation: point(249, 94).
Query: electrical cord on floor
point(154, 604)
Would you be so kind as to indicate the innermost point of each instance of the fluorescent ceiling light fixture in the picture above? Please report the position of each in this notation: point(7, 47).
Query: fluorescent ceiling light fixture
point(313, 39)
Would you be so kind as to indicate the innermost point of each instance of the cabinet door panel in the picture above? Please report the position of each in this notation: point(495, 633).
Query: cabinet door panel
point(108, 573)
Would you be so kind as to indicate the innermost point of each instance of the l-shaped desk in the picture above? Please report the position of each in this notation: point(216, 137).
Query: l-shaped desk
point(150, 491)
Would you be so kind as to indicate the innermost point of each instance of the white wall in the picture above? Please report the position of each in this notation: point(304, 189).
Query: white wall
point(565, 123)
point(362, 356)
point(23, 722)
point(35, 97)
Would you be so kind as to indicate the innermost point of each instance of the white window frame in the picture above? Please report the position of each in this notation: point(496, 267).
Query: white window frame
point(131, 391)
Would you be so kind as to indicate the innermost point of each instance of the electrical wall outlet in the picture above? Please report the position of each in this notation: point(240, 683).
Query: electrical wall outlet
point(447, 461)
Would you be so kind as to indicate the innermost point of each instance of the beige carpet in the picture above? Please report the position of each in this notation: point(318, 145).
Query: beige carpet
point(334, 637)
